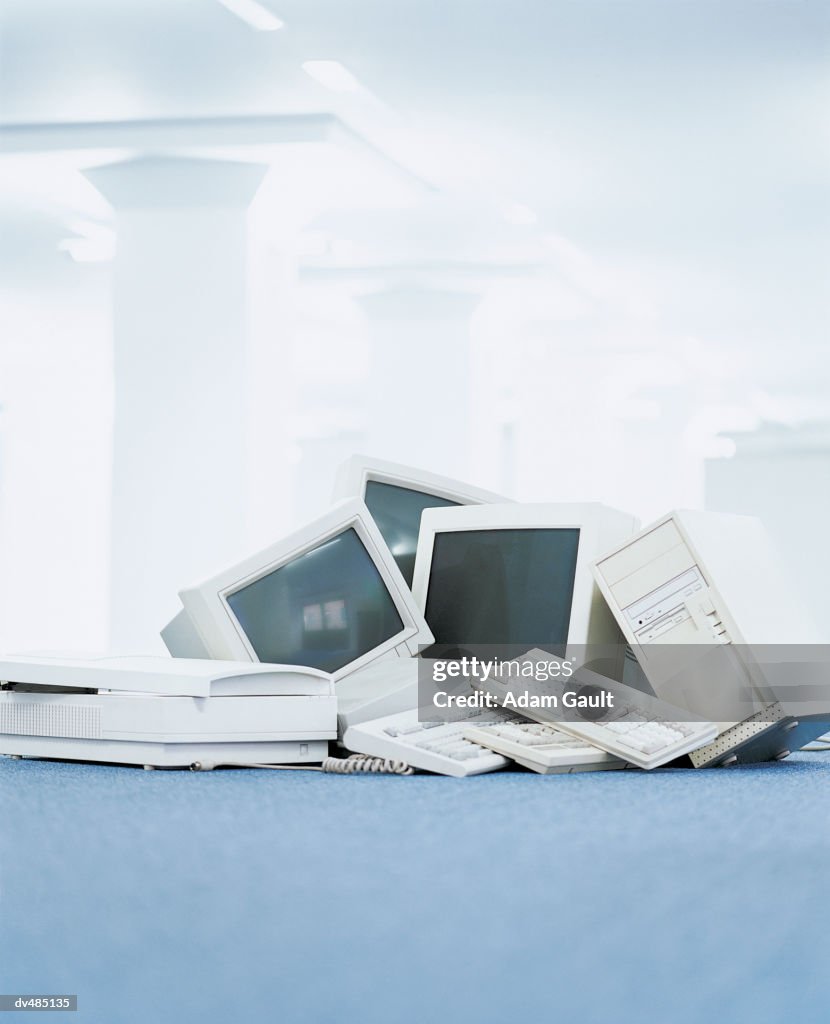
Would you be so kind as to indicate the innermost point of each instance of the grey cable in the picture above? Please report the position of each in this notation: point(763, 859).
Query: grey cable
point(354, 764)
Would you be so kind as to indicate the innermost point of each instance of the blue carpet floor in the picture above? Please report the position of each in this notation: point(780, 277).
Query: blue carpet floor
point(262, 896)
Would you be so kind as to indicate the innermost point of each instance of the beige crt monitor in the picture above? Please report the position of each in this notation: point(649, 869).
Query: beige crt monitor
point(693, 594)
point(329, 596)
point(519, 576)
point(396, 496)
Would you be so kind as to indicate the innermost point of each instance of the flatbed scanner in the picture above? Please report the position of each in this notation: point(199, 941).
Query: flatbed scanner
point(164, 712)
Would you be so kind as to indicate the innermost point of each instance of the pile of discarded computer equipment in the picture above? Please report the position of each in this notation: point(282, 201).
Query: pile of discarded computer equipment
point(422, 624)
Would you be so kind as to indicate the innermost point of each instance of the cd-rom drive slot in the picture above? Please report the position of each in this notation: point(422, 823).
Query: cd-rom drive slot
point(652, 575)
point(661, 626)
point(664, 599)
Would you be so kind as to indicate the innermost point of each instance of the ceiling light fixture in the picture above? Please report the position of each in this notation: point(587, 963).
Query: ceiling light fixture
point(254, 14)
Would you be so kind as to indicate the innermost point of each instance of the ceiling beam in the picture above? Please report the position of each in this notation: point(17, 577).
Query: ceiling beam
point(180, 135)
point(168, 133)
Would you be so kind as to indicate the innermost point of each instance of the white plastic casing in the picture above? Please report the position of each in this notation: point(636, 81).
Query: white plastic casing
point(355, 472)
point(206, 603)
point(164, 712)
point(172, 677)
point(599, 527)
point(712, 580)
point(698, 577)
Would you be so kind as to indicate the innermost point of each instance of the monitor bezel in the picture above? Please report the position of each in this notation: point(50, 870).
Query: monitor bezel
point(357, 471)
point(586, 517)
point(207, 602)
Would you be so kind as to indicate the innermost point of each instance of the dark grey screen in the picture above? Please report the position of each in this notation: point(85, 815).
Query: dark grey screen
point(397, 511)
point(510, 586)
point(325, 608)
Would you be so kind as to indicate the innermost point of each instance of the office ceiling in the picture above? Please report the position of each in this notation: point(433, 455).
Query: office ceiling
point(680, 142)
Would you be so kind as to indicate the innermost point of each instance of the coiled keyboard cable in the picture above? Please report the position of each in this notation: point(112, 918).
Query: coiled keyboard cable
point(354, 764)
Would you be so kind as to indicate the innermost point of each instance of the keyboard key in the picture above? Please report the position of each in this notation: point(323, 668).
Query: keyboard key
point(407, 730)
point(644, 744)
point(621, 728)
point(465, 755)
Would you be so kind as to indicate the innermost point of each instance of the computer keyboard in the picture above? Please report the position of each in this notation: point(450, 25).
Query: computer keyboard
point(432, 746)
point(637, 727)
point(541, 747)
point(647, 744)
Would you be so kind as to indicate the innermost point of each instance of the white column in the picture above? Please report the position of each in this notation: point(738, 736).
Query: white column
point(179, 326)
point(418, 401)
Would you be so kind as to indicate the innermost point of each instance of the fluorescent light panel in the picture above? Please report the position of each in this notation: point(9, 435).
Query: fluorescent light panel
point(254, 14)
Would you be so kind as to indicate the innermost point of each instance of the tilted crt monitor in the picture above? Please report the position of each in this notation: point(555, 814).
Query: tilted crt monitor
point(329, 596)
point(513, 576)
point(397, 495)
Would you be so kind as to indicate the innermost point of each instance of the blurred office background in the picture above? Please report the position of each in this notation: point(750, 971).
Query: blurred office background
point(565, 251)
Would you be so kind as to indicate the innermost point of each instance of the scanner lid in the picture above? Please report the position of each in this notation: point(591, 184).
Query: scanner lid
point(190, 677)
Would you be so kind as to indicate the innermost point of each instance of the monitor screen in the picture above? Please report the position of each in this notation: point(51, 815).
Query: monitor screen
point(499, 587)
point(325, 608)
point(397, 512)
